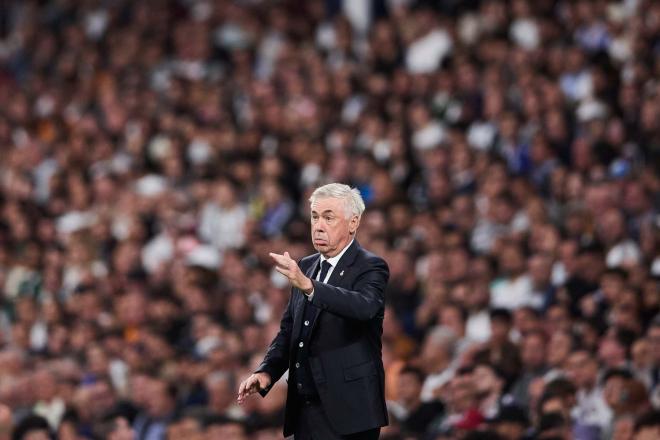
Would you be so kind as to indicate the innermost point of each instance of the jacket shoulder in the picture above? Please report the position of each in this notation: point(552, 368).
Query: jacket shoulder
point(372, 259)
point(308, 260)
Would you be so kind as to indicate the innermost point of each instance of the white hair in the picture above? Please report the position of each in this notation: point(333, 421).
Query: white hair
point(353, 203)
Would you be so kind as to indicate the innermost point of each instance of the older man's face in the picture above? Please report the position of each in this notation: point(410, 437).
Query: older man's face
point(331, 230)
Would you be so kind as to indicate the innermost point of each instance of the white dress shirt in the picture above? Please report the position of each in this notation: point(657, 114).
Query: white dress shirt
point(333, 263)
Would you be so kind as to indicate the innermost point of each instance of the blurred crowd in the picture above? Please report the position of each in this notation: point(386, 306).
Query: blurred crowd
point(153, 152)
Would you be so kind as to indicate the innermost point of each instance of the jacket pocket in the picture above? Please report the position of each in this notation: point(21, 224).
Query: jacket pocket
point(361, 370)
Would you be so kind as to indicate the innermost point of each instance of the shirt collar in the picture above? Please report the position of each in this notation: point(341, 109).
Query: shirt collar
point(334, 260)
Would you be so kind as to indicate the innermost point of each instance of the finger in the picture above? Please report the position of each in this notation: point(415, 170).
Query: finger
point(291, 263)
point(256, 386)
point(241, 389)
point(249, 383)
point(245, 388)
point(282, 260)
point(248, 392)
point(283, 271)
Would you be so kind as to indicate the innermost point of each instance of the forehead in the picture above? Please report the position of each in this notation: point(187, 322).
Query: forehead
point(615, 380)
point(328, 204)
point(580, 359)
point(483, 370)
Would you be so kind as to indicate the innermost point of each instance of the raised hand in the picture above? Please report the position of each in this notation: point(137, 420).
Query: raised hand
point(289, 268)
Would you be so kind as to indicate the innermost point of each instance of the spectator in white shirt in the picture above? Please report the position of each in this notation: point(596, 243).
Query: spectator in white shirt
point(581, 368)
point(222, 220)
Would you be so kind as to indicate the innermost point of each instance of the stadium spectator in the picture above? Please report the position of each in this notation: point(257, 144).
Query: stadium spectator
point(413, 415)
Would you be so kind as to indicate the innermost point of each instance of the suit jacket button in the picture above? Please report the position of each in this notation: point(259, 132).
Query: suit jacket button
point(300, 344)
point(297, 364)
point(306, 323)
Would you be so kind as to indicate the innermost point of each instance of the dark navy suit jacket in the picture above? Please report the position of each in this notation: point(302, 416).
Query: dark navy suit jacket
point(345, 346)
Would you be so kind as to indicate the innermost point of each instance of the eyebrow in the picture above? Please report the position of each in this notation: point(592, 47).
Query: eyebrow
point(327, 211)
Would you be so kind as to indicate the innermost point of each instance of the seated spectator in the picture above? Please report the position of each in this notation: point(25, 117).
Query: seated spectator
point(533, 356)
point(32, 427)
point(510, 422)
point(413, 415)
point(121, 431)
point(500, 351)
point(581, 368)
point(553, 425)
point(223, 218)
point(626, 396)
point(220, 428)
point(560, 346)
point(221, 401)
point(188, 427)
point(160, 410)
point(435, 361)
point(462, 411)
point(489, 384)
point(514, 287)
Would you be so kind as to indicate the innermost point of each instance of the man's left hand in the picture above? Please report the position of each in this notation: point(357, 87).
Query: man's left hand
point(289, 268)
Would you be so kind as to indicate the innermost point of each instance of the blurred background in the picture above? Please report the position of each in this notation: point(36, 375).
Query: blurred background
point(153, 152)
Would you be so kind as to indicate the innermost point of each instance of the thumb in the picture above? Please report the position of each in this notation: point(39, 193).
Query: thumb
point(286, 254)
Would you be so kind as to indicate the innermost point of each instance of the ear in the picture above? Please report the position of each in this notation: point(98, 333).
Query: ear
point(353, 224)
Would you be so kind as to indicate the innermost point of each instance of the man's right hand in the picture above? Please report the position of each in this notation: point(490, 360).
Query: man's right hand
point(251, 385)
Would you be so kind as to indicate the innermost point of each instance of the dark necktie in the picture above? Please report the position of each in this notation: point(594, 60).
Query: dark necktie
point(325, 267)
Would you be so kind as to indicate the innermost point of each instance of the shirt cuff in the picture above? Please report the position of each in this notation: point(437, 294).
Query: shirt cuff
point(310, 295)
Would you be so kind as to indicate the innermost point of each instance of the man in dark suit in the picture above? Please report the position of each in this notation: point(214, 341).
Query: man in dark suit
point(330, 333)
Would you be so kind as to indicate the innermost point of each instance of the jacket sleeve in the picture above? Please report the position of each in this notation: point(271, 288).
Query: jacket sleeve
point(276, 360)
point(364, 301)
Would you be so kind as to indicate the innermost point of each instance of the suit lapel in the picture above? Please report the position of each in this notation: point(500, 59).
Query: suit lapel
point(313, 267)
point(341, 273)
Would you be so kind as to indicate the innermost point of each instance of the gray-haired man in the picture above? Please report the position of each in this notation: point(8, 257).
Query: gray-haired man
point(330, 334)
